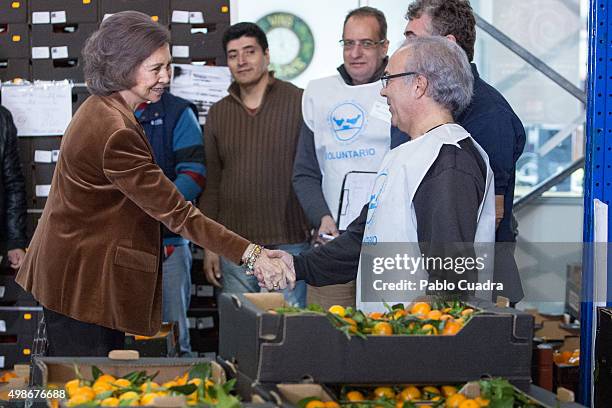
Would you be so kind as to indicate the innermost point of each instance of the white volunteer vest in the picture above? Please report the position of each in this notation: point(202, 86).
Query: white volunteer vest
point(391, 215)
point(351, 126)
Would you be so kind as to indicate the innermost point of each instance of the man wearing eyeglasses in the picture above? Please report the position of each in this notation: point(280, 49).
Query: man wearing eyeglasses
point(489, 119)
point(431, 194)
point(346, 128)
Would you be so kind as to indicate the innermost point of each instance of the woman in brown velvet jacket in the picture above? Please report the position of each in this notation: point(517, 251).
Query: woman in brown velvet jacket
point(94, 260)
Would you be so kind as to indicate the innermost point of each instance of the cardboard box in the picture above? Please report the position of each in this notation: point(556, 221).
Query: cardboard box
point(157, 9)
point(550, 328)
point(62, 11)
point(13, 11)
point(15, 68)
point(19, 320)
point(197, 41)
point(14, 41)
point(496, 343)
point(199, 11)
point(59, 370)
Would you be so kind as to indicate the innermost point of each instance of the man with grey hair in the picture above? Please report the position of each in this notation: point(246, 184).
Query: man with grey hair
point(437, 188)
point(489, 119)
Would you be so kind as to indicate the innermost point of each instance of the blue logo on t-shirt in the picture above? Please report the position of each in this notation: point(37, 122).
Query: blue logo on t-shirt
point(347, 120)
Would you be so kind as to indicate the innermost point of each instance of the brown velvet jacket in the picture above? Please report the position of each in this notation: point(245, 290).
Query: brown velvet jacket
point(95, 255)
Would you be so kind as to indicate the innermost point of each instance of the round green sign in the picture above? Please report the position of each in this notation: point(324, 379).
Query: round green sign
point(291, 43)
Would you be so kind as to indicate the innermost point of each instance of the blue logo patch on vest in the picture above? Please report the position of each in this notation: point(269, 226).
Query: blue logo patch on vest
point(377, 190)
point(347, 121)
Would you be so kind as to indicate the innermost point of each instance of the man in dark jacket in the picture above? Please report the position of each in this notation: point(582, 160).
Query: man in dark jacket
point(489, 119)
point(12, 193)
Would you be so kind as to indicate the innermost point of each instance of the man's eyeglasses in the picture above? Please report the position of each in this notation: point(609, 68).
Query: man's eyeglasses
point(365, 44)
point(386, 78)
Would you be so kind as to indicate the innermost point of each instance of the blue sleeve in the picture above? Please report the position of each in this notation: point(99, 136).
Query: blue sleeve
point(188, 146)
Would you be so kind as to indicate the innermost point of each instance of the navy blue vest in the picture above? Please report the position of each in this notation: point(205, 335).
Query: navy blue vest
point(158, 121)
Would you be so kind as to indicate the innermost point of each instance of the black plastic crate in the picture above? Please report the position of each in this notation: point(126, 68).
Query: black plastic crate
point(19, 320)
point(198, 41)
point(203, 329)
point(495, 343)
point(163, 344)
point(15, 350)
point(12, 68)
point(288, 395)
point(209, 11)
point(14, 41)
point(13, 11)
point(62, 11)
point(157, 9)
point(11, 293)
point(57, 70)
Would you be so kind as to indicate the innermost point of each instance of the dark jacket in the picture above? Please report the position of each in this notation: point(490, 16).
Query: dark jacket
point(12, 187)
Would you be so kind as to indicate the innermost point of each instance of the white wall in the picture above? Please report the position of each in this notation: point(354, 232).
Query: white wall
point(325, 19)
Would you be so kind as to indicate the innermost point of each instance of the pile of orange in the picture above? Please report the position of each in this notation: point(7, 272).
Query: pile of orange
point(317, 403)
point(567, 357)
point(138, 389)
point(404, 396)
point(421, 318)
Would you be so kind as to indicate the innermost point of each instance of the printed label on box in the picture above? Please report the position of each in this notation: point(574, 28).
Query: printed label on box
point(1, 361)
point(42, 190)
point(43, 156)
point(206, 323)
point(58, 17)
point(41, 17)
point(196, 17)
point(55, 155)
point(2, 288)
point(205, 291)
point(59, 52)
point(192, 322)
point(180, 51)
point(2, 326)
point(180, 16)
point(40, 52)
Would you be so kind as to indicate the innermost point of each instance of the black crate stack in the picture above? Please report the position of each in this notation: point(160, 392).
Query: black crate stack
point(42, 40)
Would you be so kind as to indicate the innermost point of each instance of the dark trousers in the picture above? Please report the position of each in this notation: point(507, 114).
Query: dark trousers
point(68, 337)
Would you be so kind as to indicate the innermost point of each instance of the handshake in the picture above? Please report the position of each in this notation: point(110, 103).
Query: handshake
point(274, 270)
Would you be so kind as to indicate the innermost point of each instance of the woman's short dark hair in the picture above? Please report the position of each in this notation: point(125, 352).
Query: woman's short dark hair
point(245, 30)
point(115, 51)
